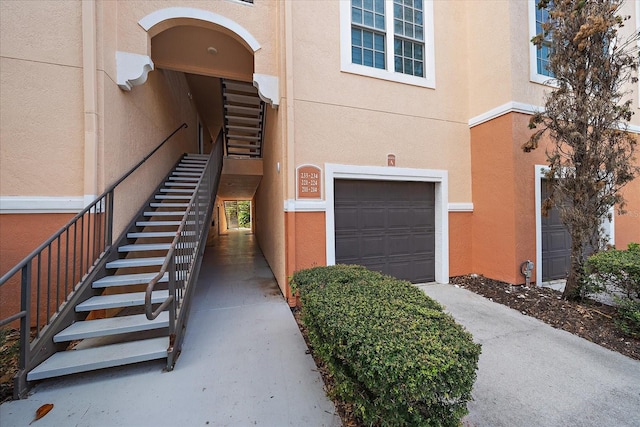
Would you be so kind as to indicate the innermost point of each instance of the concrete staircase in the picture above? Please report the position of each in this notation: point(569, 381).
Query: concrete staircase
point(118, 332)
point(244, 113)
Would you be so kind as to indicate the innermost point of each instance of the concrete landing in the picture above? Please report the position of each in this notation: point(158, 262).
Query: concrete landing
point(243, 363)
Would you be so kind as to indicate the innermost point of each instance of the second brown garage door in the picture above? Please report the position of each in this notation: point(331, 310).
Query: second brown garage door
point(387, 226)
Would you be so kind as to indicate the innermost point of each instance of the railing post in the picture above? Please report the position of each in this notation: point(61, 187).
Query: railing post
point(172, 292)
point(20, 385)
point(109, 219)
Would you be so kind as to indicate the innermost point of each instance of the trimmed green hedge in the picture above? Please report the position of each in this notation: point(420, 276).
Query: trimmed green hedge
point(394, 353)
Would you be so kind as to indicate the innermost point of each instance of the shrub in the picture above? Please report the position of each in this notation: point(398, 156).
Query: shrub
point(617, 269)
point(618, 272)
point(393, 352)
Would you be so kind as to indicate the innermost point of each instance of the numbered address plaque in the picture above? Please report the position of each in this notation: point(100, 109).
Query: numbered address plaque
point(309, 182)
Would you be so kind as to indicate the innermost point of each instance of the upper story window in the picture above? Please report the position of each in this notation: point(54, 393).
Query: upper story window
point(388, 39)
point(539, 57)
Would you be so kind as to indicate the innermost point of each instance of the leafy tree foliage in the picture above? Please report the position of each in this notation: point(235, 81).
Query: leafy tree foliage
point(586, 114)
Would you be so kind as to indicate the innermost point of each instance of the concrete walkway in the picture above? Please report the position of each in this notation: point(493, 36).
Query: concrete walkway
point(243, 363)
point(531, 374)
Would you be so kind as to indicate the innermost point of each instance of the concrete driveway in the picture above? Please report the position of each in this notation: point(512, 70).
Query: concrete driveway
point(531, 374)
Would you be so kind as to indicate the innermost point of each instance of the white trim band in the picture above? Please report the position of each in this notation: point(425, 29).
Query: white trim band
point(460, 207)
point(292, 205)
point(519, 107)
point(42, 204)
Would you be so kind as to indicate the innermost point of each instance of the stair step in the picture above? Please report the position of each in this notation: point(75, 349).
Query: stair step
point(241, 109)
point(249, 146)
point(197, 156)
point(243, 99)
point(243, 154)
point(169, 205)
point(194, 160)
point(243, 137)
point(188, 169)
point(171, 197)
point(157, 223)
point(241, 119)
point(133, 299)
point(191, 166)
point(187, 174)
point(111, 326)
point(137, 262)
point(180, 184)
point(156, 234)
point(240, 87)
point(75, 361)
point(244, 128)
point(165, 213)
point(128, 279)
point(185, 178)
point(176, 190)
point(145, 247)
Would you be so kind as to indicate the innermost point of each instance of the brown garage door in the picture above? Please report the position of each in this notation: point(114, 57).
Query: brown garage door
point(387, 226)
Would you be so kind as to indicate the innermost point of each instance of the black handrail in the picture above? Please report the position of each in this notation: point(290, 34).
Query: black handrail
point(74, 252)
point(109, 189)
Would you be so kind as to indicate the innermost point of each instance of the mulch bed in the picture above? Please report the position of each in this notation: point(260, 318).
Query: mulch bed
point(588, 319)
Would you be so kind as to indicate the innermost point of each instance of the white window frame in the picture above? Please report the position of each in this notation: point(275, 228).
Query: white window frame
point(381, 173)
point(534, 76)
point(429, 80)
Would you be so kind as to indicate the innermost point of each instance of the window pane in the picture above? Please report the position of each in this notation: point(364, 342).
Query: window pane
point(397, 27)
point(398, 64)
point(380, 22)
point(419, 33)
point(379, 6)
point(368, 18)
point(418, 4)
point(408, 66)
point(379, 42)
point(356, 55)
point(418, 52)
point(368, 4)
point(397, 11)
point(418, 16)
point(408, 14)
point(408, 2)
point(356, 37)
point(367, 39)
point(356, 15)
point(356, 3)
point(408, 29)
point(397, 46)
point(408, 50)
point(418, 69)
point(379, 58)
point(368, 58)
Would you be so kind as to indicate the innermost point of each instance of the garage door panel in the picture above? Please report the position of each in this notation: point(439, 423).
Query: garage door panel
point(395, 227)
point(373, 218)
point(346, 218)
point(373, 246)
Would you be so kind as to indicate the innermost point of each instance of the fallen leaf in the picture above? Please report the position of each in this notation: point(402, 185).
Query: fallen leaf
point(42, 411)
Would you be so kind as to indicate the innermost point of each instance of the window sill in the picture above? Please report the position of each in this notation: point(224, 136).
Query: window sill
point(427, 82)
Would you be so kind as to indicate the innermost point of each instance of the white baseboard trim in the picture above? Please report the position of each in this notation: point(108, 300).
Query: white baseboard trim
point(42, 204)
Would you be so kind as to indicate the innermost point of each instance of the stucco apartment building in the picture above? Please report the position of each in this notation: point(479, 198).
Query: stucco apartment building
point(392, 128)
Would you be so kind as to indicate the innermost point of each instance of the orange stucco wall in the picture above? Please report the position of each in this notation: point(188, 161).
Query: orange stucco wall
point(627, 226)
point(503, 230)
point(460, 236)
point(306, 241)
point(20, 234)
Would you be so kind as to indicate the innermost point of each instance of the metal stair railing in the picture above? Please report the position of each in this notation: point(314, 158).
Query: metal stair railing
point(59, 269)
point(187, 246)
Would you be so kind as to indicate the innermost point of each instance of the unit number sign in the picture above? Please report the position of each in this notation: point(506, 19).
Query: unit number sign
point(309, 185)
